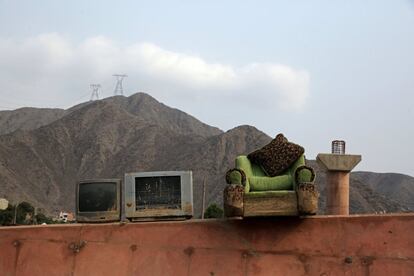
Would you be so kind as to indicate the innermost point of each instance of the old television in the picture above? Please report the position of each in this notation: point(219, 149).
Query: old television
point(158, 195)
point(98, 200)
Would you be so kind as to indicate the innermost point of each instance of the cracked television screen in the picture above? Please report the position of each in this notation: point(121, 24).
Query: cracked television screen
point(97, 197)
point(158, 192)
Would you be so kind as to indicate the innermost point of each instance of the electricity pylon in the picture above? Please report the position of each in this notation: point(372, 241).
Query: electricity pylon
point(95, 91)
point(119, 90)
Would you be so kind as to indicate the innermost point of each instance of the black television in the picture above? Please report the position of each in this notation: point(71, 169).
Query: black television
point(98, 200)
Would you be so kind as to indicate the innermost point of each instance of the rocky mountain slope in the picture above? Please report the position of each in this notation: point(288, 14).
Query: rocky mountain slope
point(367, 195)
point(41, 160)
point(27, 118)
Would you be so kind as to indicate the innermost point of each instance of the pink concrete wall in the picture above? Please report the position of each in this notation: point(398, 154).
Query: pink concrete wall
point(331, 245)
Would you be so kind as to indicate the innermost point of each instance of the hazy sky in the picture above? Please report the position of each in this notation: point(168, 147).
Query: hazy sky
point(314, 70)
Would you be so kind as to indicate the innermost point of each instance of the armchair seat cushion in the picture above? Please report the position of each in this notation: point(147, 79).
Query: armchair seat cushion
point(270, 194)
point(276, 183)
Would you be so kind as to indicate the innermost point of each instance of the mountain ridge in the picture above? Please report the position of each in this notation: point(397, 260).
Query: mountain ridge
point(110, 137)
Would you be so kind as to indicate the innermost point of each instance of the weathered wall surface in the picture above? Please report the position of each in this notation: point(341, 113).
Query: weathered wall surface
point(331, 245)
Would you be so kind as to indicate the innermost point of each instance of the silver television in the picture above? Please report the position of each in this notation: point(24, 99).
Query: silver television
point(158, 195)
point(98, 200)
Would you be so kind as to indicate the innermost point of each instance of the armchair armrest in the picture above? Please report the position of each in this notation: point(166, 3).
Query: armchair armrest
point(237, 176)
point(233, 200)
point(304, 174)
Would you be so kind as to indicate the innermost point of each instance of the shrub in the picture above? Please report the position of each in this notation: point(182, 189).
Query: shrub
point(213, 211)
point(6, 216)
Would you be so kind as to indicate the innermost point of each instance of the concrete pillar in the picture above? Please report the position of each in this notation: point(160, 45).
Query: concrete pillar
point(338, 167)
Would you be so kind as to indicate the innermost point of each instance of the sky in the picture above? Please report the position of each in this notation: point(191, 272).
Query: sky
point(314, 70)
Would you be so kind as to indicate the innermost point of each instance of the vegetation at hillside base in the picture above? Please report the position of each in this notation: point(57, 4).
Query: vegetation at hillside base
point(213, 211)
point(25, 215)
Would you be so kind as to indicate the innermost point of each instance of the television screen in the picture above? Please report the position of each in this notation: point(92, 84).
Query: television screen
point(98, 197)
point(158, 192)
point(158, 195)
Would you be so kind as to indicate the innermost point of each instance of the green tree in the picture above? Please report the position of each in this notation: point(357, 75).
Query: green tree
point(25, 213)
point(42, 218)
point(6, 216)
point(213, 211)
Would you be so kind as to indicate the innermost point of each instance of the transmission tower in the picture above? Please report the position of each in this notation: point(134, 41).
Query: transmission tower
point(119, 90)
point(95, 91)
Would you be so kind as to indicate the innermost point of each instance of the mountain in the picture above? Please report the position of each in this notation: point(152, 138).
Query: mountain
point(395, 187)
point(27, 118)
point(101, 139)
point(43, 155)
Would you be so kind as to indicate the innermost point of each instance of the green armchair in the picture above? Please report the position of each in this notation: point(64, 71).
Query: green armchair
point(264, 195)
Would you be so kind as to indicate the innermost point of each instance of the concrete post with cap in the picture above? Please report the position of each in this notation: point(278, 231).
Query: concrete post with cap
point(338, 166)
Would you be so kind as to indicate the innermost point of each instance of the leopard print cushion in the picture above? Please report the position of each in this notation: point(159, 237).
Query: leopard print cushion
point(277, 156)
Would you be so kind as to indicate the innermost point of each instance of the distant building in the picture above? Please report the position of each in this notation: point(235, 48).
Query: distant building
point(66, 217)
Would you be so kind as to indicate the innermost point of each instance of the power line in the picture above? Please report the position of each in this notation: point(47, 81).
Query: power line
point(118, 87)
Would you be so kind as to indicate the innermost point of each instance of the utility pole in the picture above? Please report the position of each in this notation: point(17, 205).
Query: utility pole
point(119, 90)
point(95, 91)
point(15, 214)
point(204, 199)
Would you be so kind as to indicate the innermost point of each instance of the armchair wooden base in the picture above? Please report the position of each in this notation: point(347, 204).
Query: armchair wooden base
point(270, 204)
point(237, 203)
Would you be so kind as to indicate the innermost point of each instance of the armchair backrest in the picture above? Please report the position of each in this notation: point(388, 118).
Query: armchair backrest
point(251, 169)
